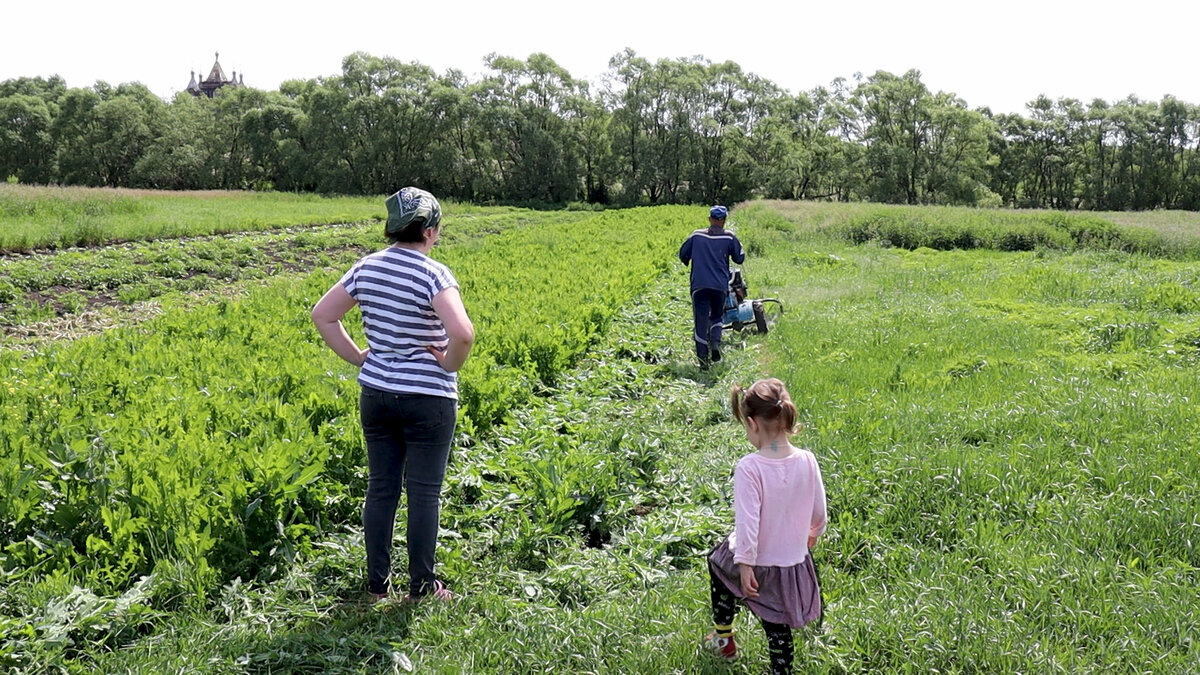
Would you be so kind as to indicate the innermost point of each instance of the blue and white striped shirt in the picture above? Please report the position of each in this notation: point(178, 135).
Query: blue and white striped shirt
point(395, 288)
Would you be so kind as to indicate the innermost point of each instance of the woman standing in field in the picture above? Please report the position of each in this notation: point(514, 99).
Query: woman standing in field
point(418, 336)
point(779, 507)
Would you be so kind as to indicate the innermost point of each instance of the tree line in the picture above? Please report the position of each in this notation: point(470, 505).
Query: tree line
point(673, 131)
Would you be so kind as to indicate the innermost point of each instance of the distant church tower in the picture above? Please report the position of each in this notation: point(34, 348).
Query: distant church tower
point(214, 81)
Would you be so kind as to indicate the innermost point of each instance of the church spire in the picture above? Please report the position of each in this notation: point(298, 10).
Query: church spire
point(215, 80)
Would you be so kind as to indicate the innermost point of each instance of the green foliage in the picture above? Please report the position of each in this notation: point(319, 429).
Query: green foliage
point(1006, 441)
point(682, 130)
point(26, 146)
point(146, 420)
point(920, 147)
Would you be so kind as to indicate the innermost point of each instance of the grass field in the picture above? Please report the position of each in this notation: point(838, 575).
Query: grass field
point(1007, 438)
point(33, 217)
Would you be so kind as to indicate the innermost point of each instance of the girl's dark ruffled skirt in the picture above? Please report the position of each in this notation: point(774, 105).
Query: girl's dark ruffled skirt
point(786, 595)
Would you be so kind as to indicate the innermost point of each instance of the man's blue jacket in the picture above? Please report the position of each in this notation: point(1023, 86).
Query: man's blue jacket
point(709, 251)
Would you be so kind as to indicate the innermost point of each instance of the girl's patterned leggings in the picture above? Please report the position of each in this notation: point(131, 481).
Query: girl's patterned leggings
point(779, 636)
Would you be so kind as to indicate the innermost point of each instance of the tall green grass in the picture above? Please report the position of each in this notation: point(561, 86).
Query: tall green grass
point(1008, 441)
point(51, 218)
point(949, 228)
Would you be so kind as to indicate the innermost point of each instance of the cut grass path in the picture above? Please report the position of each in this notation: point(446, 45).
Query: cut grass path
point(637, 605)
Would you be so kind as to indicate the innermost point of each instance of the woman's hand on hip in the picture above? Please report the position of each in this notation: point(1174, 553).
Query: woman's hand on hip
point(439, 354)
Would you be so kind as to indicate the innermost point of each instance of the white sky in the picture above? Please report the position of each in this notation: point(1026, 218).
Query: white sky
point(1000, 54)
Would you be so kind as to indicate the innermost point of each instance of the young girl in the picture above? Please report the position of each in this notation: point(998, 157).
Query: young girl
point(779, 505)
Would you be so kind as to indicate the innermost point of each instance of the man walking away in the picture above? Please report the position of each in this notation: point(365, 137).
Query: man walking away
point(709, 251)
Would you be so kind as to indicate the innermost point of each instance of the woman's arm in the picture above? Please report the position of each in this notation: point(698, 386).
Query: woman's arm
point(449, 307)
point(327, 315)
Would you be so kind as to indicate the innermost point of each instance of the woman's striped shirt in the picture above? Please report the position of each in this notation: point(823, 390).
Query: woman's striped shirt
point(395, 288)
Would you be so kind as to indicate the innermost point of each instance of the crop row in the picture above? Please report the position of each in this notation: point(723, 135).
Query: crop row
point(38, 218)
point(43, 286)
point(208, 444)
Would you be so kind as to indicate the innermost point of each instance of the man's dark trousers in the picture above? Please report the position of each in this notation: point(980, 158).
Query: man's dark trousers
point(708, 306)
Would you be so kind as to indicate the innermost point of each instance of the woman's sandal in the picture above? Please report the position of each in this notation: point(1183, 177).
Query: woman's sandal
point(439, 592)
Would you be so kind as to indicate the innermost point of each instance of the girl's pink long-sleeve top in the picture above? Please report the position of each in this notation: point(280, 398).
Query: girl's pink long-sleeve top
point(778, 504)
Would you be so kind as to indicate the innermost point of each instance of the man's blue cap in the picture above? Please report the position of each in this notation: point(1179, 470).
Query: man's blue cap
point(718, 212)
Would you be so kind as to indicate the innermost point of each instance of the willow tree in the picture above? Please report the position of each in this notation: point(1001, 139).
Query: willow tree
point(181, 156)
point(26, 146)
point(526, 112)
point(919, 147)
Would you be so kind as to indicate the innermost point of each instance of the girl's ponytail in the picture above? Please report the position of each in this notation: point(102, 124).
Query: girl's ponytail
point(736, 395)
point(788, 413)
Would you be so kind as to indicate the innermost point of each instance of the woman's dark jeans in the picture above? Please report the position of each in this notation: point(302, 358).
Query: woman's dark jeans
point(408, 439)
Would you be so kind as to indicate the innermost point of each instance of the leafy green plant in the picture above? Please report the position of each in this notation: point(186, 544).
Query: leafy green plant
point(229, 395)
